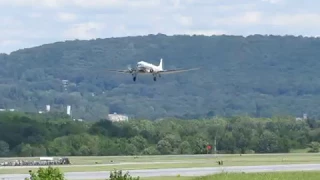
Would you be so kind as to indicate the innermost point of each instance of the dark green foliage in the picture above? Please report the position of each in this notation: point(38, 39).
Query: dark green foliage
point(64, 137)
point(49, 173)
point(314, 147)
point(118, 175)
point(29, 134)
point(256, 75)
point(4, 149)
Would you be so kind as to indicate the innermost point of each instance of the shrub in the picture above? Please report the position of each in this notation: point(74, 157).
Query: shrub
point(46, 173)
point(314, 147)
point(117, 175)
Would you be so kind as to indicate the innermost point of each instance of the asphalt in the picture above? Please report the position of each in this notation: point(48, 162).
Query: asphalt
point(179, 171)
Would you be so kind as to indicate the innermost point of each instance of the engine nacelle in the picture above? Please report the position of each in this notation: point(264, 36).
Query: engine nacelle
point(151, 70)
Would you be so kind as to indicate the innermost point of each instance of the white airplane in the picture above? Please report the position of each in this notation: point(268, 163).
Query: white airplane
point(143, 67)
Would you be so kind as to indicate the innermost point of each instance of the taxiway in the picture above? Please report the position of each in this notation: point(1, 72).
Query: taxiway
point(180, 171)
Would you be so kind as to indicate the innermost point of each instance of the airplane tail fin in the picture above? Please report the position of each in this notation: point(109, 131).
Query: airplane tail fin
point(160, 64)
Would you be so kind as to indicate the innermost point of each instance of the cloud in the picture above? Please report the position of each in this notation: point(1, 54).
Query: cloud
point(252, 17)
point(304, 20)
point(273, 1)
point(32, 3)
point(183, 20)
point(9, 42)
point(204, 32)
point(66, 17)
point(34, 15)
point(84, 30)
point(80, 3)
point(25, 23)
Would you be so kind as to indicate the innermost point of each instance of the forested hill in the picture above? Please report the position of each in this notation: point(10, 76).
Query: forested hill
point(255, 75)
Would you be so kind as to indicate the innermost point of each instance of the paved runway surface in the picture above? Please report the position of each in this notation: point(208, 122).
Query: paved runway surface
point(181, 171)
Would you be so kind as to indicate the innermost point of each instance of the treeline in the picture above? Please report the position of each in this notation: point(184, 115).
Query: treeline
point(256, 75)
point(38, 135)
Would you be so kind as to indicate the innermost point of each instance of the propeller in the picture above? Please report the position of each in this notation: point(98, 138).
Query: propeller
point(130, 68)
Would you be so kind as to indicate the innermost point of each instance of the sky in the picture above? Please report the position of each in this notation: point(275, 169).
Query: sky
point(29, 23)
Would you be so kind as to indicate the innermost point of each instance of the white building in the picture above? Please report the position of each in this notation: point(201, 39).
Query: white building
point(117, 117)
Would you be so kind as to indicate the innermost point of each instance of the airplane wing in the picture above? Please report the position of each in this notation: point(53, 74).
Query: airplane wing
point(177, 70)
point(121, 71)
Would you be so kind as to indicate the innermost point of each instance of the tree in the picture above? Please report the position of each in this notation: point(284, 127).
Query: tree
point(26, 150)
point(314, 147)
point(152, 150)
point(238, 134)
point(139, 142)
point(4, 148)
point(118, 175)
point(268, 143)
point(185, 148)
point(46, 173)
point(164, 147)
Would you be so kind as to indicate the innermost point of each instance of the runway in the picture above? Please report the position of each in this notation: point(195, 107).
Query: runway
point(181, 171)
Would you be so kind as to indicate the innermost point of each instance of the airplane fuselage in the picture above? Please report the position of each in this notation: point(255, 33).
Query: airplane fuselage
point(144, 67)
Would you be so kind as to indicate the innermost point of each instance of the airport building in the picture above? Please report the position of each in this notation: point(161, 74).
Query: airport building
point(117, 117)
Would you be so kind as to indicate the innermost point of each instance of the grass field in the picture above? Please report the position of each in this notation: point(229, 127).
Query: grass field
point(179, 161)
point(250, 176)
point(310, 175)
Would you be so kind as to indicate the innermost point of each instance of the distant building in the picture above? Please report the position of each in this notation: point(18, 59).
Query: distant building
point(7, 110)
point(305, 117)
point(117, 117)
point(48, 108)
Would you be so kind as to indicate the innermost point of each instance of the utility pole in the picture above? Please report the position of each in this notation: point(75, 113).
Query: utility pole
point(215, 145)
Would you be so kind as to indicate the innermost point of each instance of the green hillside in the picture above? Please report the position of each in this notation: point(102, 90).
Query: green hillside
point(256, 75)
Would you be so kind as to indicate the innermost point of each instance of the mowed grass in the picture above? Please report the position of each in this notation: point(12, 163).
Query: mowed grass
point(300, 150)
point(227, 158)
point(250, 176)
point(168, 178)
point(310, 175)
point(85, 164)
point(264, 176)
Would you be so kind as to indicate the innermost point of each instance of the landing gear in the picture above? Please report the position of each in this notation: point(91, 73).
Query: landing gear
point(134, 76)
point(154, 77)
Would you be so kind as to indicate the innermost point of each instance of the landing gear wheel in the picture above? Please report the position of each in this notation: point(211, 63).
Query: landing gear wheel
point(134, 78)
point(154, 78)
